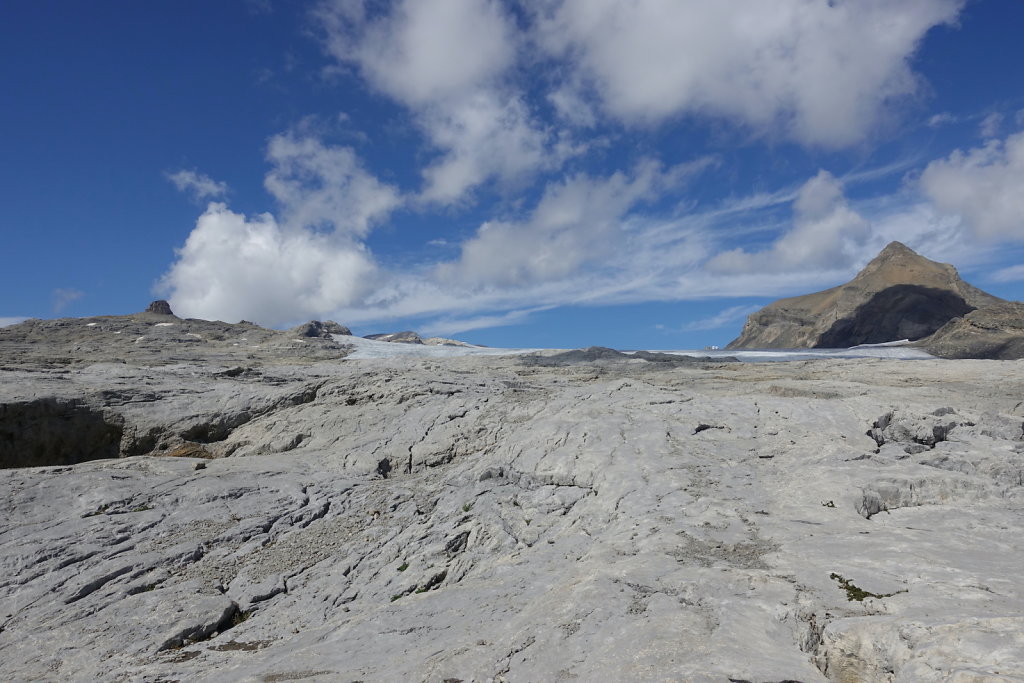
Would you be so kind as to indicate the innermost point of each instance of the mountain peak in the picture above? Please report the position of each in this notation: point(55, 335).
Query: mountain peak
point(894, 248)
point(898, 295)
point(897, 252)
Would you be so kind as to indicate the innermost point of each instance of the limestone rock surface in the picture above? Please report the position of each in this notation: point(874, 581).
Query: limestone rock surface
point(995, 332)
point(898, 295)
point(494, 519)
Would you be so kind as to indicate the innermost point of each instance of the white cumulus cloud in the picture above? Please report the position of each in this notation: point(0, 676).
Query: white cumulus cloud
point(448, 62)
point(983, 186)
point(422, 51)
point(324, 186)
point(233, 267)
point(306, 263)
point(820, 71)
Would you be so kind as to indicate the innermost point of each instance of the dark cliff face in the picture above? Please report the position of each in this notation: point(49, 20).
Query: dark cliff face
point(898, 312)
point(898, 295)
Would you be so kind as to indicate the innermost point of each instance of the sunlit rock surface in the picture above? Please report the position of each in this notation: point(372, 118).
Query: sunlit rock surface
point(489, 517)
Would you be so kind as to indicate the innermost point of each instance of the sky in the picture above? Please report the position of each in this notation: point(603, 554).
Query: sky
point(550, 173)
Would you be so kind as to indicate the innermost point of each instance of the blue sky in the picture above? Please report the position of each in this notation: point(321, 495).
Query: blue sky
point(547, 173)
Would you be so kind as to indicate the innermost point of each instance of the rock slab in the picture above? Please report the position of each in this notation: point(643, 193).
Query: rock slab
point(602, 519)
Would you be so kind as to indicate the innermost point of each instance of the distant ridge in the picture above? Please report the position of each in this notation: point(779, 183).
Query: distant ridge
point(898, 295)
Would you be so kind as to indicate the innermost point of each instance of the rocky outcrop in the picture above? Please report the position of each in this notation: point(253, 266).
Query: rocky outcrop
point(405, 337)
point(159, 307)
point(994, 332)
point(410, 337)
point(444, 341)
point(315, 328)
point(149, 338)
point(898, 295)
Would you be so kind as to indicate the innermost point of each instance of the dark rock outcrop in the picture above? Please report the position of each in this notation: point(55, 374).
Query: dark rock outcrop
point(406, 337)
point(159, 307)
point(898, 295)
point(994, 332)
point(316, 328)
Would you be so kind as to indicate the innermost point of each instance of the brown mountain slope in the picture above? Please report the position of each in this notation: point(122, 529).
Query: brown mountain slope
point(898, 295)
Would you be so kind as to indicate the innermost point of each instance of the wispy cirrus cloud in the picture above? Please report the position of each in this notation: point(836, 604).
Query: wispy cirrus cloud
point(1010, 274)
point(721, 319)
point(64, 297)
point(198, 185)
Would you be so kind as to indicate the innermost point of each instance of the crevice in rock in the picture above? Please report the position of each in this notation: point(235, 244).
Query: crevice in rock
point(97, 583)
point(232, 616)
point(457, 543)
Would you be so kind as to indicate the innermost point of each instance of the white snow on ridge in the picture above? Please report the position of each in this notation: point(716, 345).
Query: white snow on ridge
point(767, 355)
point(369, 348)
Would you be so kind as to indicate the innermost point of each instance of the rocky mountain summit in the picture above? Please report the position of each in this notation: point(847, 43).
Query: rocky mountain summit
point(220, 502)
point(898, 295)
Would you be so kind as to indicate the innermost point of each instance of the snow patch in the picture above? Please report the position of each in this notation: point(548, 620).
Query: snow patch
point(887, 350)
point(369, 348)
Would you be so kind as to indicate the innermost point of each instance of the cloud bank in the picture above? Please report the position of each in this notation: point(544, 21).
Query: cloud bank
point(822, 73)
point(513, 99)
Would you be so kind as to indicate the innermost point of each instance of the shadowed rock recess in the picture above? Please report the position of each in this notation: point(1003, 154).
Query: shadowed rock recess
point(52, 431)
point(283, 511)
point(897, 312)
